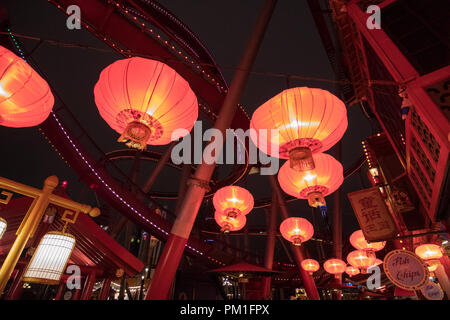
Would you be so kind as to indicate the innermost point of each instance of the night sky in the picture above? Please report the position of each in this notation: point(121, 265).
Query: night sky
point(291, 46)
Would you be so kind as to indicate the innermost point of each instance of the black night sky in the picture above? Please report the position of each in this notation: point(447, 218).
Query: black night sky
point(291, 46)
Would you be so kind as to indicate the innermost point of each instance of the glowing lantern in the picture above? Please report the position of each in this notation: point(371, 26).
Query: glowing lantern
point(25, 98)
point(310, 265)
point(359, 242)
point(145, 101)
point(306, 120)
point(313, 184)
point(50, 258)
point(361, 260)
point(335, 266)
point(296, 230)
point(3, 226)
point(233, 201)
point(431, 253)
point(377, 263)
point(433, 265)
point(228, 223)
point(351, 271)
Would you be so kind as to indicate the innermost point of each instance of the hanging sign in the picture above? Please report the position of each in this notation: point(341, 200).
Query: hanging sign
point(406, 270)
point(432, 291)
point(373, 215)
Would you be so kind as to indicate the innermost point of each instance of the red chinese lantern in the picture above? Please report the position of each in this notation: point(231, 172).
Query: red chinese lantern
point(313, 184)
point(310, 265)
point(228, 223)
point(377, 263)
point(351, 271)
point(306, 120)
point(25, 98)
point(431, 253)
point(361, 260)
point(296, 230)
point(146, 101)
point(335, 266)
point(233, 201)
point(359, 242)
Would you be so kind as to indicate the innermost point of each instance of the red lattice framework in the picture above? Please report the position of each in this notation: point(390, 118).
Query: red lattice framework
point(424, 148)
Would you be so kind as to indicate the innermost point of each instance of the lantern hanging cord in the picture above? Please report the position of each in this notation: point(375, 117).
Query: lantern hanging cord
point(259, 73)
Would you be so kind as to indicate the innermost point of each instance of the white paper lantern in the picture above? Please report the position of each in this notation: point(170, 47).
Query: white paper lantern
point(50, 258)
point(3, 226)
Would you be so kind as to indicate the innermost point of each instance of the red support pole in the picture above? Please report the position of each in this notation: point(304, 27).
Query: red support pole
point(270, 244)
point(76, 295)
point(88, 286)
point(104, 292)
point(337, 225)
point(16, 287)
point(298, 252)
point(60, 291)
point(198, 185)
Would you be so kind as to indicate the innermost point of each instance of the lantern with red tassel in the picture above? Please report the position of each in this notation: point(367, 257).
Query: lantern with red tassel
point(228, 223)
point(296, 230)
point(335, 267)
point(25, 98)
point(145, 101)
point(314, 184)
point(304, 121)
point(310, 265)
point(233, 201)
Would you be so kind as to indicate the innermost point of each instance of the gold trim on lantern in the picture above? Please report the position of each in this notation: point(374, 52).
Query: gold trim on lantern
point(41, 269)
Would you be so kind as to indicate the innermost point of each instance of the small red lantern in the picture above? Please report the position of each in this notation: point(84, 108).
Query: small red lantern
point(296, 230)
point(146, 101)
point(228, 223)
point(352, 271)
point(359, 242)
point(431, 253)
point(361, 260)
point(305, 121)
point(25, 98)
point(233, 201)
point(310, 265)
point(314, 184)
point(335, 266)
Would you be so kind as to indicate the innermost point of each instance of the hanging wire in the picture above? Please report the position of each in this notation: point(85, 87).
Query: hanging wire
point(288, 77)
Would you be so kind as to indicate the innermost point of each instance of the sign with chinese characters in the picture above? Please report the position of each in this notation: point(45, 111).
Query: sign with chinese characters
point(432, 291)
point(373, 215)
point(406, 270)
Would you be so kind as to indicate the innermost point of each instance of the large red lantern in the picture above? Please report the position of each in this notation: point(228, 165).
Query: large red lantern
point(310, 265)
point(335, 266)
point(146, 101)
point(315, 184)
point(359, 242)
point(233, 201)
point(361, 260)
point(228, 223)
point(306, 120)
point(296, 230)
point(352, 271)
point(25, 98)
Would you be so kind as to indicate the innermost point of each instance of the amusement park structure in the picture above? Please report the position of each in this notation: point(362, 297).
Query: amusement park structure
point(389, 75)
